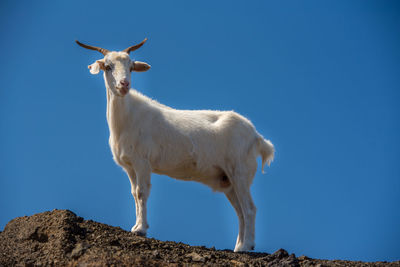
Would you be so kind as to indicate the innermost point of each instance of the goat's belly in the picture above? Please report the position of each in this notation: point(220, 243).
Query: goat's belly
point(212, 177)
point(176, 173)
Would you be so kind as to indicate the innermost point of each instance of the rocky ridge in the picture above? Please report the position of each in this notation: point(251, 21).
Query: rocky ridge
point(61, 238)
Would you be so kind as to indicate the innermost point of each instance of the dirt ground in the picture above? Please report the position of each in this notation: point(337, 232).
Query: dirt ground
point(61, 238)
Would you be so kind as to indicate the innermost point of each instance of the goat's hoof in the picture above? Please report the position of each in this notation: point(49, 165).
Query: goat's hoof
point(243, 248)
point(239, 248)
point(138, 232)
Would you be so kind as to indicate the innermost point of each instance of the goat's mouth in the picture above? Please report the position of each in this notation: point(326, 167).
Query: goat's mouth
point(122, 90)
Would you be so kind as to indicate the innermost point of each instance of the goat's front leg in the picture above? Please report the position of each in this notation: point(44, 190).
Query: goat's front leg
point(141, 191)
point(132, 178)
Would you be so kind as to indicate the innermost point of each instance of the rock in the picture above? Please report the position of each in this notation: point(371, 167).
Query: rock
point(156, 254)
point(238, 263)
point(290, 261)
point(79, 249)
point(303, 258)
point(195, 257)
point(280, 254)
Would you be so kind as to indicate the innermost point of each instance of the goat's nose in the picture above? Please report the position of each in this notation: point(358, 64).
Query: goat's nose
point(124, 83)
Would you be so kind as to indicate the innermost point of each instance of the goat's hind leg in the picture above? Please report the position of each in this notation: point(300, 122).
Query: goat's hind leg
point(233, 199)
point(242, 189)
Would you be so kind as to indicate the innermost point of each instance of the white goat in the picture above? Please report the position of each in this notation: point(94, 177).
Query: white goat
point(216, 148)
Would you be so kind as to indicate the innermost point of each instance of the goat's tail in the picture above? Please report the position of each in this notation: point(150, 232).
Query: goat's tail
point(267, 151)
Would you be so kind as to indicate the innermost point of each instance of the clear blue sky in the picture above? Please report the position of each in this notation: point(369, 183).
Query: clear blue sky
point(320, 79)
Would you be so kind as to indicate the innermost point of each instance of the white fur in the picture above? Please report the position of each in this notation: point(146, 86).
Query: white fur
point(216, 148)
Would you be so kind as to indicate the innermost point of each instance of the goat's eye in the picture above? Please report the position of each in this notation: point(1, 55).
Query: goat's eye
point(108, 67)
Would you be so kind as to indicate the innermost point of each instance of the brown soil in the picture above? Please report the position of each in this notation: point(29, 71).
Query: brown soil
point(60, 238)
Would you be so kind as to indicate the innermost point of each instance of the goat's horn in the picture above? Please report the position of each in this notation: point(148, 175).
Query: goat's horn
point(101, 50)
point(134, 47)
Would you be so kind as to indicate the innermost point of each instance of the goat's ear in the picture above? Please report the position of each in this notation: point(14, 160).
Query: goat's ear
point(139, 66)
point(95, 67)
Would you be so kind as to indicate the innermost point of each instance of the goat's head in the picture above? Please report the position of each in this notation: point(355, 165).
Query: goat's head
point(117, 67)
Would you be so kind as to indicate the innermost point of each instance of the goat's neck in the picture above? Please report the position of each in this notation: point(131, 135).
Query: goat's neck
point(116, 113)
